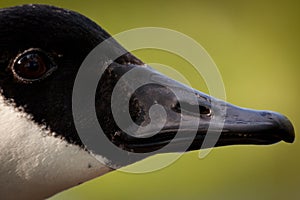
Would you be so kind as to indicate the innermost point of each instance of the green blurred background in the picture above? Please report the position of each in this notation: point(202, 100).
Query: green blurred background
point(256, 46)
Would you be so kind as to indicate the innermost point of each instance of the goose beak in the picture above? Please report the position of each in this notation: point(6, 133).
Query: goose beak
point(175, 117)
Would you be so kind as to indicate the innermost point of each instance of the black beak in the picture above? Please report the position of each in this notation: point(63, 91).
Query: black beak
point(171, 116)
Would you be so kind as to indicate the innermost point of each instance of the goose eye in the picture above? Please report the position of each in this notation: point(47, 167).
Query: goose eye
point(32, 65)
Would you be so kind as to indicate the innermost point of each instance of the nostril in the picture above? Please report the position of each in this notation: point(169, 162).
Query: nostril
point(205, 111)
point(192, 109)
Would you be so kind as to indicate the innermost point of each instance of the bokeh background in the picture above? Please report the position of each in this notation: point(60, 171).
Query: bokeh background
point(256, 45)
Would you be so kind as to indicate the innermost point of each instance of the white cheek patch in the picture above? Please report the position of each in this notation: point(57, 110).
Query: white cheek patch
point(35, 164)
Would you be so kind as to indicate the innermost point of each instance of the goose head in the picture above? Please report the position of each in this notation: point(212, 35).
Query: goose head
point(42, 152)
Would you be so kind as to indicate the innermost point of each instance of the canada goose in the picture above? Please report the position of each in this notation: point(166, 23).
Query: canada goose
point(42, 48)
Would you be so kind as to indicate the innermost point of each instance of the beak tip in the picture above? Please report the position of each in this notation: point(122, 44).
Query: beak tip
point(287, 129)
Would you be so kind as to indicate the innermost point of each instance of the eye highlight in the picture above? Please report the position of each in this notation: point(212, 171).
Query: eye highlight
point(32, 65)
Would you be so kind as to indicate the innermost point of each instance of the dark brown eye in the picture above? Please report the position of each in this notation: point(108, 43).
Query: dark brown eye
point(32, 65)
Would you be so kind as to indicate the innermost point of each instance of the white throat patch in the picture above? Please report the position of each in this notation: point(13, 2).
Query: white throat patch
point(36, 165)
